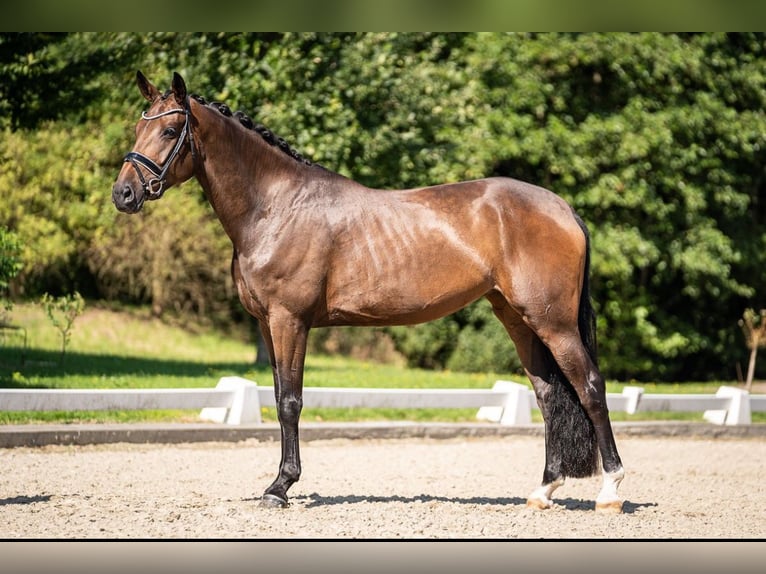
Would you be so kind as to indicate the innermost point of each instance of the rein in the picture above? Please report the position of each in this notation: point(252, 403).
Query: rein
point(155, 186)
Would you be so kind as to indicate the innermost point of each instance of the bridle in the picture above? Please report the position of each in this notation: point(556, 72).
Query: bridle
point(154, 187)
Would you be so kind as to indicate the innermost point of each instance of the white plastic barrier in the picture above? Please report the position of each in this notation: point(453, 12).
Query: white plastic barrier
point(238, 401)
point(234, 400)
point(729, 406)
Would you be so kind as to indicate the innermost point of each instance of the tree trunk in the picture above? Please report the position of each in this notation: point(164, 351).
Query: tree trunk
point(751, 368)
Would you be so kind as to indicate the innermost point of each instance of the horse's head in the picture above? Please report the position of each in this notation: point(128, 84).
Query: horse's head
point(163, 153)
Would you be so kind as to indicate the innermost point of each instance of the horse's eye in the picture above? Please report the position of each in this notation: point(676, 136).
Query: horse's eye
point(169, 132)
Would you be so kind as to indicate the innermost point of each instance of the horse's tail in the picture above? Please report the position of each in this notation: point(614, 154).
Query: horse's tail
point(586, 317)
point(570, 435)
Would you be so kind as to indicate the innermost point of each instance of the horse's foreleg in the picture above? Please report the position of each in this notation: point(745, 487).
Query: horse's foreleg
point(288, 340)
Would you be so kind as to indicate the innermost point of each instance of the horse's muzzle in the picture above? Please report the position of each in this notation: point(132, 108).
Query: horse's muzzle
point(125, 199)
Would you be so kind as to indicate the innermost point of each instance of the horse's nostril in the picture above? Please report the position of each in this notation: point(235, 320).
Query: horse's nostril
point(127, 194)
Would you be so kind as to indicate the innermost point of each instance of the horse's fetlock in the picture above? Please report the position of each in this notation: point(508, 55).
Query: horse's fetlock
point(292, 472)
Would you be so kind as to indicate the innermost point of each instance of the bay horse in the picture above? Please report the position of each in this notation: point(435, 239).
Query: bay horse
point(313, 248)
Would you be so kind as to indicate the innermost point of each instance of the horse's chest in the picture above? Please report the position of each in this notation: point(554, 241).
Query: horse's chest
point(247, 287)
point(264, 283)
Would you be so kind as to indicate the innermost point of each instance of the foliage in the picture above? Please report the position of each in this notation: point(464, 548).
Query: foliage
point(656, 139)
point(59, 68)
point(483, 341)
point(754, 328)
point(54, 209)
point(62, 312)
point(10, 265)
point(154, 258)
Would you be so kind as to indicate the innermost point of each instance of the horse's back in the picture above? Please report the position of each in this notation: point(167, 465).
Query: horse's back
point(511, 199)
point(504, 216)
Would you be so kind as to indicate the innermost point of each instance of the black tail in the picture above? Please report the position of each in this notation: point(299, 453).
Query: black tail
point(586, 319)
point(570, 435)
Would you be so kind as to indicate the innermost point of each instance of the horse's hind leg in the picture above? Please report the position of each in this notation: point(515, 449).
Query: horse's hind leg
point(536, 360)
point(580, 370)
point(571, 395)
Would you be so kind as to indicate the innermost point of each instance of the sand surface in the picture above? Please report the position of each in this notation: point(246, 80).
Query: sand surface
point(378, 488)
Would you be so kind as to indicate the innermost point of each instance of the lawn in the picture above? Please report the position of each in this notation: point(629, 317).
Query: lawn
point(130, 349)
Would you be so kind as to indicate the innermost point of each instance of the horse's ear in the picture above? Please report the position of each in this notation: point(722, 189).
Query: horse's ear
point(146, 87)
point(179, 89)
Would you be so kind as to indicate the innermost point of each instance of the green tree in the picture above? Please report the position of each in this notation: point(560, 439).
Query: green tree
point(656, 139)
point(49, 76)
point(10, 265)
point(174, 256)
point(62, 312)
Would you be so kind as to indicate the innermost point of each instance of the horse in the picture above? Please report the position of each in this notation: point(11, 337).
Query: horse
point(313, 248)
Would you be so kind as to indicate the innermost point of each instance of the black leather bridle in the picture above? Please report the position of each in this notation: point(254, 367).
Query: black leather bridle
point(154, 187)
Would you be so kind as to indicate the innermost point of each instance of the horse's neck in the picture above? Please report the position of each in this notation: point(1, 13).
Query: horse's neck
point(241, 174)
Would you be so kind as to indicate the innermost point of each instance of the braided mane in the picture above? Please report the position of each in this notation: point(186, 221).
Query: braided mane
point(268, 136)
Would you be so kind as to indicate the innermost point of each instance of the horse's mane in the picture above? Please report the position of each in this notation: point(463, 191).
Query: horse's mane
point(268, 136)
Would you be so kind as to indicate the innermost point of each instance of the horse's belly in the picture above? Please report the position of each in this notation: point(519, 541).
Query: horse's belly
point(404, 298)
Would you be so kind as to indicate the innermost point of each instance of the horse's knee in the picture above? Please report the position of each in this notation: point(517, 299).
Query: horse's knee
point(289, 408)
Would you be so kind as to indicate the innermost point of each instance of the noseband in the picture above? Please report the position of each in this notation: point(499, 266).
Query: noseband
point(155, 186)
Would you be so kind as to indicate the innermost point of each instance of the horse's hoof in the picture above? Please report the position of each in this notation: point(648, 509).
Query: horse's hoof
point(538, 504)
point(612, 507)
point(272, 501)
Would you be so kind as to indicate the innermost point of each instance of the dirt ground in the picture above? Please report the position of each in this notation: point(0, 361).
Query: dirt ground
point(471, 488)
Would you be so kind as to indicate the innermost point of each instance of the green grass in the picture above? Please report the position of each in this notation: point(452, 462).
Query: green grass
point(129, 349)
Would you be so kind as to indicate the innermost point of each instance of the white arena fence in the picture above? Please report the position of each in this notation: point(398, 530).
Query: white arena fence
point(235, 401)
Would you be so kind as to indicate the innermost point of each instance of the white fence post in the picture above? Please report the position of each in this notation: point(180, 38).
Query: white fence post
point(516, 409)
point(738, 412)
point(245, 408)
point(633, 394)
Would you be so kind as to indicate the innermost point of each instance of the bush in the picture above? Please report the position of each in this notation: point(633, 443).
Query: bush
point(10, 265)
point(485, 346)
point(174, 256)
